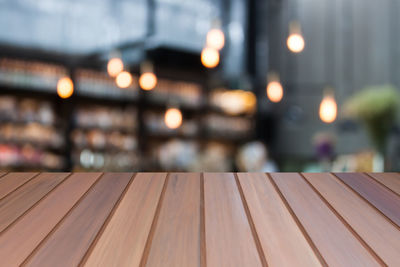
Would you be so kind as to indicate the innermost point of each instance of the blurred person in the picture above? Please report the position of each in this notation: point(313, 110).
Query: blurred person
point(324, 147)
point(253, 157)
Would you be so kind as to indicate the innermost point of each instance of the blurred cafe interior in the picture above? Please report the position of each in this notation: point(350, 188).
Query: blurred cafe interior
point(200, 85)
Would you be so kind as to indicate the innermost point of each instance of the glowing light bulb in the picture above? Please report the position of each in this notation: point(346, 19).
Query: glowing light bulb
point(328, 109)
point(65, 87)
point(173, 118)
point(274, 91)
point(115, 66)
point(210, 57)
point(148, 81)
point(215, 39)
point(124, 79)
point(295, 43)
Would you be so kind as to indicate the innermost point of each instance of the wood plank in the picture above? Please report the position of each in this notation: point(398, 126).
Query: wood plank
point(379, 196)
point(179, 223)
point(337, 245)
point(390, 180)
point(229, 240)
point(18, 241)
point(11, 181)
point(123, 240)
point(20, 200)
point(2, 174)
point(382, 236)
point(281, 239)
point(79, 228)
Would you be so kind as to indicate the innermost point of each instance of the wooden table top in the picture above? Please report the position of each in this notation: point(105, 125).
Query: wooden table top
point(199, 219)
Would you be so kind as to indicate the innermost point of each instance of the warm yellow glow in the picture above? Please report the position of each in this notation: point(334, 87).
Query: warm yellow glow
point(235, 102)
point(215, 39)
point(124, 79)
point(295, 43)
point(173, 118)
point(250, 101)
point(210, 57)
point(65, 87)
point(148, 81)
point(328, 109)
point(275, 91)
point(115, 66)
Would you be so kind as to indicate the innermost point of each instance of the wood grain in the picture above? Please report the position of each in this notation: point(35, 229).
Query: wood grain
point(337, 245)
point(379, 196)
point(390, 180)
point(18, 241)
point(381, 236)
point(192, 219)
point(23, 198)
point(123, 240)
point(2, 174)
point(281, 239)
point(179, 223)
point(11, 181)
point(229, 240)
point(79, 228)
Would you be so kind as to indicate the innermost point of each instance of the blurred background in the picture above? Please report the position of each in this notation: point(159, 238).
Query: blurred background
point(200, 85)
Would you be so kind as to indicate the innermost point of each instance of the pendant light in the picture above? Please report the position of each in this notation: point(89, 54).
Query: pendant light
point(215, 41)
point(65, 87)
point(295, 41)
point(274, 87)
point(215, 36)
point(115, 65)
point(147, 79)
point(328, 107)
point(209, 57)
point(124, 79)
point(173, 118)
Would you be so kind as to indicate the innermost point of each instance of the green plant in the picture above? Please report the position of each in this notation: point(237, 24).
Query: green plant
point(376, 107)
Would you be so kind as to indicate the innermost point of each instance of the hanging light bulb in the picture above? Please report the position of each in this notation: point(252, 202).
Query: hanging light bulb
point(65, 87)
point(124, 79)
point(295, 41)
point(147, 80)
point(215, 39)
point(328, 107)
point(210, 57)
point(173, 118)
point(115, 66)
point(274, 88)
point(275, 91)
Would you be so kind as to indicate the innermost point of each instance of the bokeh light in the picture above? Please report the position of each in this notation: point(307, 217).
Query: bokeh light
point(124, 79)
point(210, 57)
point(215, 39)
point(115, 66)
point(295, 43)
point(173, 118)
point(235, 102)
point(65, 87)
point(328, 109)
point(148, 81)
point(274, 91)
